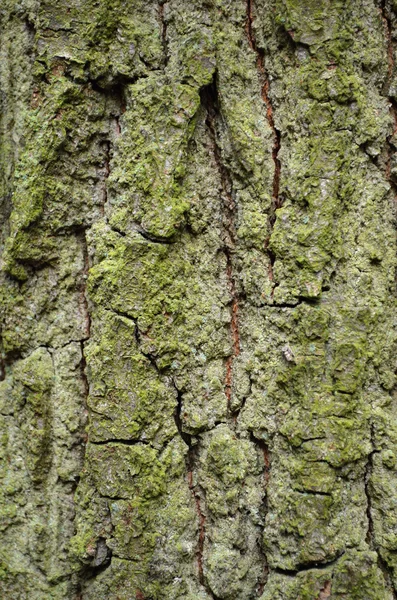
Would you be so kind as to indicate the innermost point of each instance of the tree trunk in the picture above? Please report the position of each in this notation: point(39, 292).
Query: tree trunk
point(198, 300)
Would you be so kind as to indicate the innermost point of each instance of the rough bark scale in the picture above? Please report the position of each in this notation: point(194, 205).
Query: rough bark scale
point(198, 299)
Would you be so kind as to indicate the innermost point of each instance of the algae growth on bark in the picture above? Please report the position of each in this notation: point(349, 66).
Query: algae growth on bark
point(198, 392)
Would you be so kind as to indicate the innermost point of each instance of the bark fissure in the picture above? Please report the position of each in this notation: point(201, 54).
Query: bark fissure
point(301, 568)
point(121, 441)
point(138, 336)
point(210, 102)
point(264, 449)
point(265, 94)
point(234, 351)
point(367, 479)
point(190, 465)
point(390, 149)
point(201, 519)
point(187, 438)
point(370, 536)
point(164, 36)
point(92, 570)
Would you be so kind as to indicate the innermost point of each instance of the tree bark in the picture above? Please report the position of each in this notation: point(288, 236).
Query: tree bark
point(198, 300)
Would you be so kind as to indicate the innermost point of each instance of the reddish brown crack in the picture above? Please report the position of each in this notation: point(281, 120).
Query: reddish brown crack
point(210, 101)
point(393, 105)
point(325, 591)
point(370, 537)
point(164, 39)
point(265, 93)
point(234, 326)
point(201, 520)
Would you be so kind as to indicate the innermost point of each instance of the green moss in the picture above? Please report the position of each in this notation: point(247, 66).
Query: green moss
point(151, 159)
point(33, 380)
point(339, 581)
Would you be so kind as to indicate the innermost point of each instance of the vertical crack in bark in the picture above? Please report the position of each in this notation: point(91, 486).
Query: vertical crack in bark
point(89, 571)
point(370, 537)
point(107, 171)
point(187, 438)
point(190, 464)
point(265, 93)
point(367, 478)
point(210, 101)
point(84, 300)
point(164, 37)
point(386, 91)
point(201, 519)
point(390, 150)
point(264, 448)
point(87, 318)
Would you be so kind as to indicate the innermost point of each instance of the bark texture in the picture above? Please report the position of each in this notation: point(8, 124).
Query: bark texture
point(198, 300)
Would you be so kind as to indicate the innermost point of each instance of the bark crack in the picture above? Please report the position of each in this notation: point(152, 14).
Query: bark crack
point(190, 464)
point(265, 94)
point(201, 518)
point(164, 36)
point(187, 438)
point(300, 568)
point(370, 537)
point(386, 18)
point(210, 101)
point(264, 449)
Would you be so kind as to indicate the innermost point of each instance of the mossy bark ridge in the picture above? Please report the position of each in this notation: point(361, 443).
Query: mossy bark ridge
point(198, 300)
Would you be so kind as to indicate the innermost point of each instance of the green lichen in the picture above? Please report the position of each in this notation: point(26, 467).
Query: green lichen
point(234, 350)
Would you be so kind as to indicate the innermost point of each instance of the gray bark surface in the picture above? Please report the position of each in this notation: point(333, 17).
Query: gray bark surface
point(198, 300)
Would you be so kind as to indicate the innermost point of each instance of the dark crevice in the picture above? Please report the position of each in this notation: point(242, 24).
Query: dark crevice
point(103, 554)
point(84, 276)
point(151, 357)
point(308, 566)
point(125, 315)
point(264, 450)
point(116, 230)
point(299, 300)
point(314, 493)
point(156, 239)
point(106, 177)
point(187, 438)
point(265, 93)
point(87, 332)
point(2, 368)
point(164, 37)
point(83, 366)
point(370, 537)
point(190, 465)
point(210, 102)
point(390, 142)
point(101, 561)
point(114, 89)
point(121, 441)
point(202, 519)
point(390, 148)
point(367, 479)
